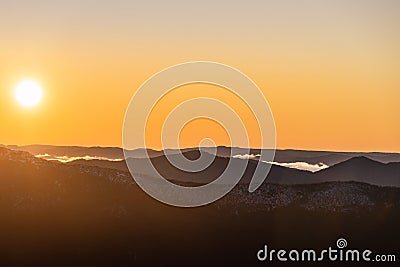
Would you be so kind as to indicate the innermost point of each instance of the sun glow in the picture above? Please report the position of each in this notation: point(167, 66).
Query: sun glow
point(28, 93)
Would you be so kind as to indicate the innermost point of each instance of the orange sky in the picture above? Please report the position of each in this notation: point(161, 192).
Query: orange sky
point(329, 70)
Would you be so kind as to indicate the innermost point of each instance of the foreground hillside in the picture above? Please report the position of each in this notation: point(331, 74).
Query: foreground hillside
point(55, 214)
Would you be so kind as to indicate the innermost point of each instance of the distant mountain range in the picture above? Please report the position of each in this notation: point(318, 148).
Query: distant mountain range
point(288, 155)
point(358, 168)
point(24, 177)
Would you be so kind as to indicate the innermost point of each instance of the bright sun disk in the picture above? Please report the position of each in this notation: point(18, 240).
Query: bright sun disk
point(28, 93)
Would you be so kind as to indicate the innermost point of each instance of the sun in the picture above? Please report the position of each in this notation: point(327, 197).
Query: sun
point(28, 93)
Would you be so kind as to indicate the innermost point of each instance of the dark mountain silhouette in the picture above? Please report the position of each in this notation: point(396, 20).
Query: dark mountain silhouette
point(287, 155)
point(312, 157)
point(332, 158)
point(365, 170)
point(117, 165)
point(278, 174)
point(71, 151)
point(359, 169)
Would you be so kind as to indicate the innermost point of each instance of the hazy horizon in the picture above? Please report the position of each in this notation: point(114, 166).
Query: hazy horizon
point(155, 149)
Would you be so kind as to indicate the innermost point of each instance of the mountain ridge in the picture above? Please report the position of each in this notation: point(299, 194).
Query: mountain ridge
point(281, 155)
point(360, 168)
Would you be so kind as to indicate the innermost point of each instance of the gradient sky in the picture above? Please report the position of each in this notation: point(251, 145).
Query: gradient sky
point(329, 69)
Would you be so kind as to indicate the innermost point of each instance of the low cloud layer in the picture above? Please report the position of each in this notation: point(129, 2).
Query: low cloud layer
point(305, 166)
point(295, 165)
point(247, 156)
point(66, 159)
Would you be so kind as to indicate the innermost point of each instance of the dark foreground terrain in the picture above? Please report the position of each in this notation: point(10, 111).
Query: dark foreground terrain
point(54, 214)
